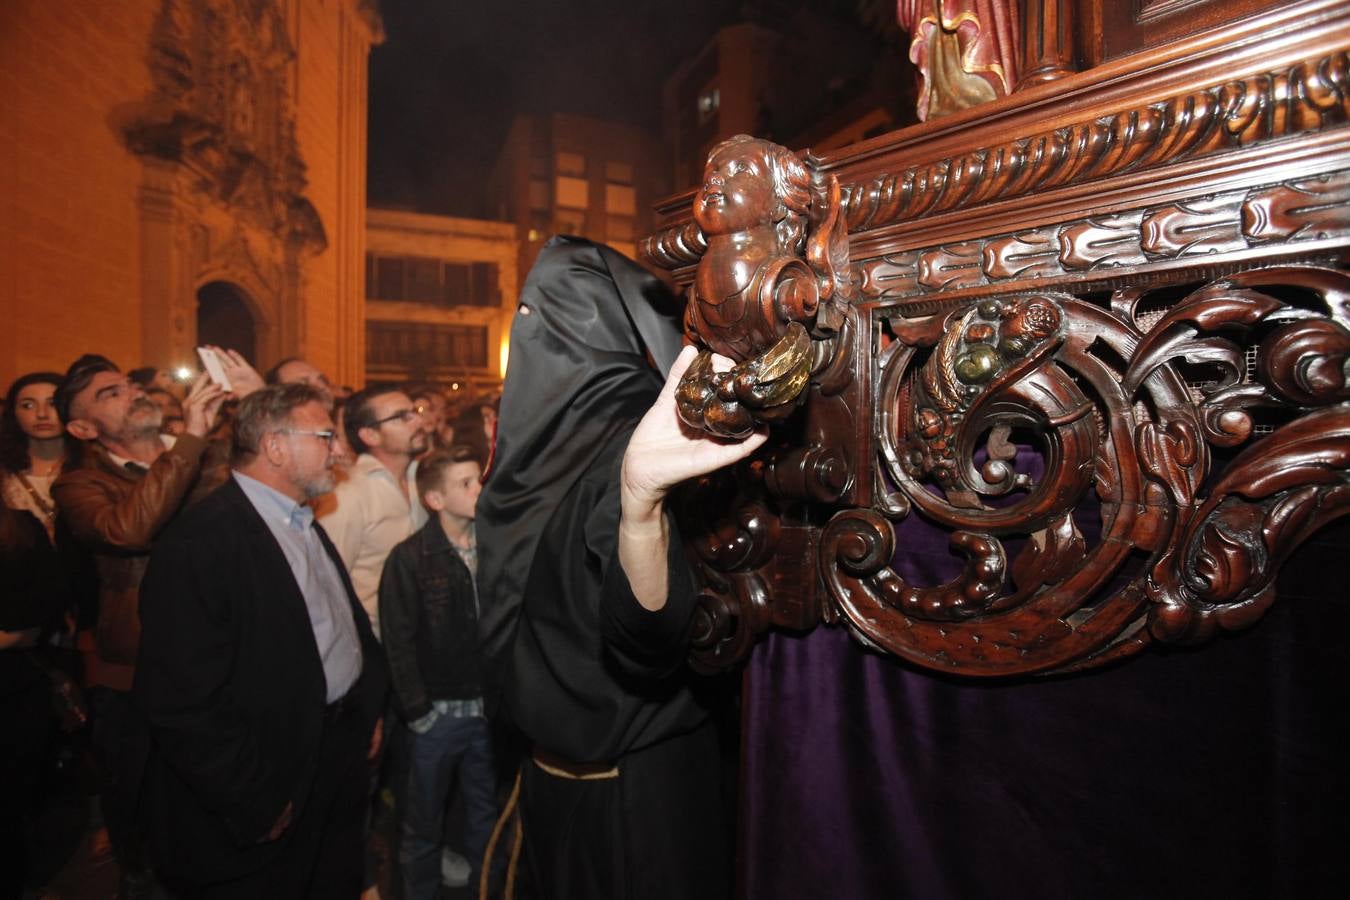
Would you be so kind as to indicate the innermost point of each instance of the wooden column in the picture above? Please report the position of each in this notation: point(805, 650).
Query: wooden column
point(1047, 41)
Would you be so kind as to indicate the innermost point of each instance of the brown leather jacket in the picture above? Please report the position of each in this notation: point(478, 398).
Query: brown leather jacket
point(117, 513)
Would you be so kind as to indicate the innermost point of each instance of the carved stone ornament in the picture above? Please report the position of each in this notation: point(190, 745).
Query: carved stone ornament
point(221, 105)
point(772, 278)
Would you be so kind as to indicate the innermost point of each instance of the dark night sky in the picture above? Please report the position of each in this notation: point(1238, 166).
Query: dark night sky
point(450, 76)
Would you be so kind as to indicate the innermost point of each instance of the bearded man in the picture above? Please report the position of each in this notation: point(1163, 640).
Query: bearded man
point(259, 675)
point(130, 482)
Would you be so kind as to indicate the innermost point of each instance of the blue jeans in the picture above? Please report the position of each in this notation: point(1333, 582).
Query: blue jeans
point(453, 747)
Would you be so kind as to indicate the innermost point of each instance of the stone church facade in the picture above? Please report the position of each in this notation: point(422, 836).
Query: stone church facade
point(178, 171)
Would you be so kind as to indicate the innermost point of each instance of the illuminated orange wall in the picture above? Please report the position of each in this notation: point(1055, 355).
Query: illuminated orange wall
point(70, 234)
point(69, 273)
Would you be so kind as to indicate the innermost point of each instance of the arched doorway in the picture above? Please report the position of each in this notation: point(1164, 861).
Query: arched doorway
point(224, 319)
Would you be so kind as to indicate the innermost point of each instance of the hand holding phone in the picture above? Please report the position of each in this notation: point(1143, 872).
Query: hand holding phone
point(211, 363)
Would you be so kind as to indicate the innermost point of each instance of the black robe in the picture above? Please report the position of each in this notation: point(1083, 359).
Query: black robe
point(574, 662)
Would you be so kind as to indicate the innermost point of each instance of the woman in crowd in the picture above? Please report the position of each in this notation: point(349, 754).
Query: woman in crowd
point(32, 447)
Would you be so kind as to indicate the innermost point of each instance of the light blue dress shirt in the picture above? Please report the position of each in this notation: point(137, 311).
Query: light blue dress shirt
point(330, 614)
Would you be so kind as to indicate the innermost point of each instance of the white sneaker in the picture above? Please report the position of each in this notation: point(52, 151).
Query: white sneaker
point(454, 869)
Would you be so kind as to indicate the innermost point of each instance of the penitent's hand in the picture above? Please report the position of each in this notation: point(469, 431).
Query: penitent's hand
point(662, 453)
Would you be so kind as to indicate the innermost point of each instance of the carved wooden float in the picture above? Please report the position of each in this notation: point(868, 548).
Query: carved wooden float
point(1098, 331)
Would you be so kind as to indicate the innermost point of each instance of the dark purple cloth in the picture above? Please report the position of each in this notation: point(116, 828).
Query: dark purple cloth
point(1218, 771)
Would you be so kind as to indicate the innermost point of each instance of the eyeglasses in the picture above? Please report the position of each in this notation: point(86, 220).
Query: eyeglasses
point(328, 436)
point(403, 415)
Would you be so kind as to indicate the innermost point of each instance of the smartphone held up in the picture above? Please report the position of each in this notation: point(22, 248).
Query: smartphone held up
point(211, 363)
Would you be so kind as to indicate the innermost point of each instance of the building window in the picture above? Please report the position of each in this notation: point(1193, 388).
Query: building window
point(384, 277)
point(422, 279)
point(709, 100)
point(541, 224)
point(619, 172)
point(570, 164)
point(570, 221)
point(618, 228)
point(620, 199)
point(538, 193)
point(571, 192)
point(426, 346)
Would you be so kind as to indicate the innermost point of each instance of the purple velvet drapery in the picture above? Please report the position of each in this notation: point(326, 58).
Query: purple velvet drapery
point(1218, 771)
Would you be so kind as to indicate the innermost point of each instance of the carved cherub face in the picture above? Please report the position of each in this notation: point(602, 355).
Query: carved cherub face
point(738, 190)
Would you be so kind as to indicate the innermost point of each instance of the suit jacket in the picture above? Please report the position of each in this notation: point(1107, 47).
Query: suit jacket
point(230, 679)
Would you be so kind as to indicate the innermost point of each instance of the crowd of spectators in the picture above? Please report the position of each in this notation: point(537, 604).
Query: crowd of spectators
point(145, 638)
point(264, 600)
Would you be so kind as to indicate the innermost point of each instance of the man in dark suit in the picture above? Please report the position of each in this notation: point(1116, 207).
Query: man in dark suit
point(259, 675)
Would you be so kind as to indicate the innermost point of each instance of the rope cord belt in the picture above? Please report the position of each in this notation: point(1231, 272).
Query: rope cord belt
point(512, 810)
point(551, 765)
point(561, 768)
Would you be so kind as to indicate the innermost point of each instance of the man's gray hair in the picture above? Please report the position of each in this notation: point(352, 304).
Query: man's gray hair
point(265, 411)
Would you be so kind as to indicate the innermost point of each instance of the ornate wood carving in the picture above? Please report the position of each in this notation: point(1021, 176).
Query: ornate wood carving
point(1102, 395)
point(1310, 209)
point(1047, 41)
point(1303, 98)
point(775, 266)
point(1124, 410)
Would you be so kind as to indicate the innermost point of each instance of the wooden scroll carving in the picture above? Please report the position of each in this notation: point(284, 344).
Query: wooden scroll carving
point(1125, 410)
point(1117, 379)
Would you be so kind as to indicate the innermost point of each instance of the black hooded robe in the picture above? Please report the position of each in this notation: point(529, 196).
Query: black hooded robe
point(590, 677)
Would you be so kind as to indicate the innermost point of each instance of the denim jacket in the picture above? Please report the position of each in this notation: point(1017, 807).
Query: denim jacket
point(429, 622)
